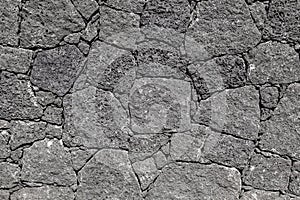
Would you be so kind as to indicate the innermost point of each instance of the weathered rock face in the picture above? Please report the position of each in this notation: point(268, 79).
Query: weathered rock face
point(56, 70)
point(270, 173)
point(281, 132)
point(283, 21)
point(196, 181)
point(47, 162)
point(108, 175)
point(273, 62)
point(15, 60)
point(9, 175)
point(224, 27)
point(17, 99)
point(45, 23)
point(265, 195)
point(233, 111)
point(294, 186)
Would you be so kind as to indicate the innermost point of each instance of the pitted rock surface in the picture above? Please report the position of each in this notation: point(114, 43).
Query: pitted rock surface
point(150, 99)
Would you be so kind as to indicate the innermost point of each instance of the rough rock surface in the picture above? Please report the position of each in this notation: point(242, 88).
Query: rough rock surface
point(149, 99)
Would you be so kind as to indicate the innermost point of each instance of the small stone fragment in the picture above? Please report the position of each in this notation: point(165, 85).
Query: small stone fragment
point(57, 69)
point(9, 24)
point(268, 173)
point(223, 27)
point(47, 98)
point(9, 175)
point(146, 171)
point(45, 23)
point(273, 62)
point(160, 159)
point(4, 124)
point(196, 181)
point(54, 131)
point(23, 133)
point(144, 146)
point(280, 134)
point(84, 47)
point(17, 99)
point(45, 193)
point(48, 162)
point(15, 60)
point(233, 111)
point(108, 175)
point(269, 97)
point(53, 115)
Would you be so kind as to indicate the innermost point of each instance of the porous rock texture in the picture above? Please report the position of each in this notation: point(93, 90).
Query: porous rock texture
point(150, 99)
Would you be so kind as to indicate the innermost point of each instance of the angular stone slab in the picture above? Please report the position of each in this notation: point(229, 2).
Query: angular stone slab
point(48, 162)
point(228, 150)
point(17, 98)
point(45, 193)
point(15, 60)
point(294, 185)
point(23, 133)
point(108, 175)
point(273, 62)
point(158, 105)
point(196, 181)
point(45, 23)
point(281, 133)
point(94, 118)
point(56, 69)
point(224, 27)
point(268, 173)
point(233, 111)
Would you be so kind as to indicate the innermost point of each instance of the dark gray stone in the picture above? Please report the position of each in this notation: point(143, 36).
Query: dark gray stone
point(9, 22)
point(48, 162)
point(196, 181)
point(15, 60)
point(228, 150)
point(45, 23)
point(4, 146)
point(273, 62)
point(57, 69)
point(224, 27)
point(135, 6)
point(233, 111)
point(269, 97)
point(53, 115)
point(283, 21)
point(9, 175)
point(23, 132)
point(108, 175)
point(280, 134)
point(17, 98)
point(4, 195)
point(264, 195)
point(267, 173)
point(86, 8)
